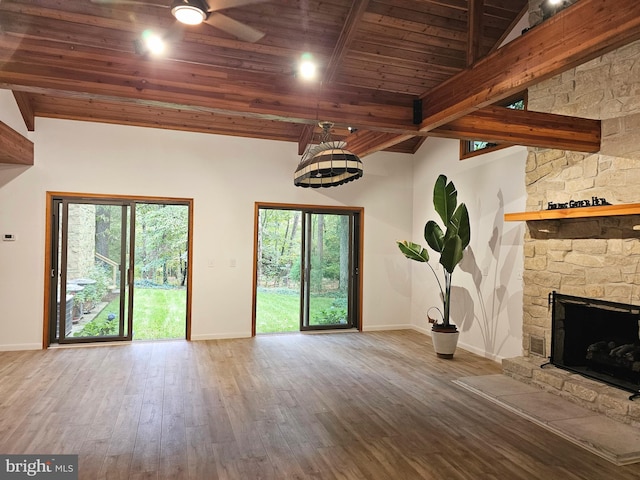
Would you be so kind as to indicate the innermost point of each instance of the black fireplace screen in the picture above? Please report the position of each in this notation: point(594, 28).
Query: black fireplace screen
point(598, 339)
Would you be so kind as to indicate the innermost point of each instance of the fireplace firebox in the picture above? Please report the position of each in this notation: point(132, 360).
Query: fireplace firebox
point(597, 339)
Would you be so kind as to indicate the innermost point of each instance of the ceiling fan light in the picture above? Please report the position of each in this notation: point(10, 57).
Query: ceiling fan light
point(189, 14)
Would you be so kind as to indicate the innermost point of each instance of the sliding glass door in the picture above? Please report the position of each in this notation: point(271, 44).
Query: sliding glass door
point(329, 271)
point(91, 266)
point(116, 264)
point(311, 255)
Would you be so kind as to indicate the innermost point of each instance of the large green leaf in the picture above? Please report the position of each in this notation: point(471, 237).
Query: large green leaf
point(413, 251)
point(434, 236)
point(451, 253)
point(460, 223)
point(445, 198)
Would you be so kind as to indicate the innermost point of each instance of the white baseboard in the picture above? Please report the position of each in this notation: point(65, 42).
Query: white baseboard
point(426, 331)
point(227, 336)
point(480, 352)
point(222, 336)
point(378, 328)
point(464, 346)
point(20, 346)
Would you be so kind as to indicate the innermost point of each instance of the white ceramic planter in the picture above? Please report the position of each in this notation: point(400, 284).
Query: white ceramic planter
point(444, 343)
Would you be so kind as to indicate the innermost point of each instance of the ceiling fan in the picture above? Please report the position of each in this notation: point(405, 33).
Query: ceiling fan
point(194, 12)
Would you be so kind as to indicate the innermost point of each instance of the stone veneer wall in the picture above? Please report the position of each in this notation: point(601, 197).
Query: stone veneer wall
point(591, 257)
point(82, 240)
point(595, 257)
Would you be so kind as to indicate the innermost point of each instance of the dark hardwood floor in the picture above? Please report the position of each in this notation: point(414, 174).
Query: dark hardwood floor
point(329, 406)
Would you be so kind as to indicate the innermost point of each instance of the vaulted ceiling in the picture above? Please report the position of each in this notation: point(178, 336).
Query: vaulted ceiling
point(379, 62)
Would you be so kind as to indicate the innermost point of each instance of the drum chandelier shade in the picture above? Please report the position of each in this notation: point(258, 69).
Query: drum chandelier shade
point(328, 164)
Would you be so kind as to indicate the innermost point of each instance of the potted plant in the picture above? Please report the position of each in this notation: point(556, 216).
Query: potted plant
point(450, 243)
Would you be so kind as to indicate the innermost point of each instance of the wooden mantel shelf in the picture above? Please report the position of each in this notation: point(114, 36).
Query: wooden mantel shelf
point(582, 212)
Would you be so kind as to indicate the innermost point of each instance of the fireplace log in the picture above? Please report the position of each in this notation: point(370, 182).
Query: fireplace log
point(621, 350)
point(597, 347)
point(633, 355)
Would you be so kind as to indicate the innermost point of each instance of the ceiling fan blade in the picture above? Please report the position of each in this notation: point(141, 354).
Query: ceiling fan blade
point(234, 27)
point(127, 2)
point(215, 5)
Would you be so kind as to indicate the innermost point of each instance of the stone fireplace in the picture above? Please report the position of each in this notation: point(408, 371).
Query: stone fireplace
point(596, 257)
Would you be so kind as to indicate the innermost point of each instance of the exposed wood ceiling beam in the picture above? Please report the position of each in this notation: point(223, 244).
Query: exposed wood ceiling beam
point(474, 32)
point(521, 127)
point(349, 29)
point(306, 135)
point(307, 111)
point(366, 142)
point(579, 33)
point(14, 148)
point(500, 125)
point(26, 109)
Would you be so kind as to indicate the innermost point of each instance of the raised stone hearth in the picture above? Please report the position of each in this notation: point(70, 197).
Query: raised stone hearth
point(603, 436)
point(587, 393)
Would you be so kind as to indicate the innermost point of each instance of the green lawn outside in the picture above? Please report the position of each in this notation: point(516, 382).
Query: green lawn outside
point(158, 313)
point(280, 312)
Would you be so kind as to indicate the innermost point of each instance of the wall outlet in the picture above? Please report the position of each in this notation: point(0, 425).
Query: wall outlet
point(8, 237)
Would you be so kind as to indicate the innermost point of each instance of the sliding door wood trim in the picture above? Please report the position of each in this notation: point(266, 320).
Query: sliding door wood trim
point(48, 266)
point(316, 209)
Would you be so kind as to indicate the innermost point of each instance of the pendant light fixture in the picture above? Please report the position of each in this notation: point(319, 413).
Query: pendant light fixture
point(327, 164)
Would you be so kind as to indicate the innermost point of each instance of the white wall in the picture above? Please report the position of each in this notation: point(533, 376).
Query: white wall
point(487, 286)
point(225, 176)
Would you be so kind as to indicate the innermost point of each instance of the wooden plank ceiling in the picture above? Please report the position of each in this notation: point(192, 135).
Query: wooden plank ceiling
point(77, 60)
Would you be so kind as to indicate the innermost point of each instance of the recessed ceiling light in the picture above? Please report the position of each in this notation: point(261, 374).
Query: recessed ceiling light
point(307, 68)
point(153, 42)
point(555, 2)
